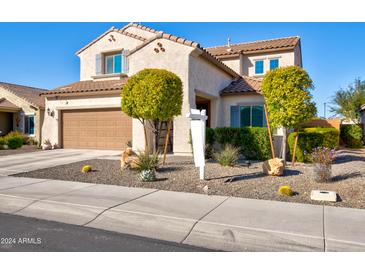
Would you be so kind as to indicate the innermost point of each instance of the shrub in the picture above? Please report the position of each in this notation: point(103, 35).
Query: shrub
point(323, 155)
point(209, 143)
point(146, 161)
point(25, 138)
point(253, 142)
point(285, 191)
point(228, 156)
point(209, 136)
point(311, 138)
point(2, 142)
point(14, 142)
point(86, 169)
point(351, 135)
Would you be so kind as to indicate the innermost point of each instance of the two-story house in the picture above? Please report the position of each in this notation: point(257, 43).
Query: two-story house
point(224, 80)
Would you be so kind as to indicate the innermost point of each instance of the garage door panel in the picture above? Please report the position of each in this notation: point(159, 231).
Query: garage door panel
point(96, 128)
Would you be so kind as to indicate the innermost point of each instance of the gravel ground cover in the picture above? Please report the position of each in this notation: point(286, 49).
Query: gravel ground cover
point(179, 174)
point(23, 149)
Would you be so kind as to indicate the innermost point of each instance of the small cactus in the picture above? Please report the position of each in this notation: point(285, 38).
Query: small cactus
point(147, 175)
point(285, 191)
point(86, 169)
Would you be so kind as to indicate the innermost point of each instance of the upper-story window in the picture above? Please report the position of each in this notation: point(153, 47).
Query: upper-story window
point(113, 63)
point(274, 63)
point(259, 67)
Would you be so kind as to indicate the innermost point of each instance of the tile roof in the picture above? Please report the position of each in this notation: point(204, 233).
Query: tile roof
point(7, 104)
point(90, 86)
point(255, 47)
point(29, 94)
point(242, 85)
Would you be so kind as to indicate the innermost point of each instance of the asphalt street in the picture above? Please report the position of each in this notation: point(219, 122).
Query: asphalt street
point(24, 234)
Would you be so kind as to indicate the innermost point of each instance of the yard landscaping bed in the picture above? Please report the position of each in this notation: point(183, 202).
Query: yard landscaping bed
point(179, 174)
point(23, 149)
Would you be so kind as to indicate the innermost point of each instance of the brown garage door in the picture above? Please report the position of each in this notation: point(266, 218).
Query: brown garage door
point(96, 129)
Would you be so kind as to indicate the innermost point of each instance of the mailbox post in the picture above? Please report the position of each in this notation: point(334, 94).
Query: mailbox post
point(198, 124)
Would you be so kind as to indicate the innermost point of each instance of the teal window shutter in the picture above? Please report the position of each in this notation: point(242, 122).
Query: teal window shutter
point(98, 64)
point(234, 116)
point(125, 61)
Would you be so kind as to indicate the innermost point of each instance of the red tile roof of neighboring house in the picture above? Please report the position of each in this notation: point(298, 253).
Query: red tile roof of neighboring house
point(90, 86)
point(255, 47)
point(243, 85)
point(29, 94)
point(8, 105)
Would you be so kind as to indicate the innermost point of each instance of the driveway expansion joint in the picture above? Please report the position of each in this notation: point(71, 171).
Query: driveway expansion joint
point(201, 218)
point(123, 203)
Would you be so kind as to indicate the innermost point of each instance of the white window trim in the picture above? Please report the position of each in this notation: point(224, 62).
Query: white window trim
point(25, 115)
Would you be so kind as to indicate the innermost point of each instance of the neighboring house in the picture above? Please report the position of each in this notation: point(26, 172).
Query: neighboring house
point(362, 120)
point(223, 80)
point(21, 109)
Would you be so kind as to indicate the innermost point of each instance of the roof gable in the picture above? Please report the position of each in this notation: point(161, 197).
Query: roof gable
point(29, 94)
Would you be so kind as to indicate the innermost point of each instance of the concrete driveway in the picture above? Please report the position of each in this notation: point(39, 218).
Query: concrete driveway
point(12, 164)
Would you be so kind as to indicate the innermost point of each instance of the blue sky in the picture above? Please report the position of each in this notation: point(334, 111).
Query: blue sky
point(43, 54)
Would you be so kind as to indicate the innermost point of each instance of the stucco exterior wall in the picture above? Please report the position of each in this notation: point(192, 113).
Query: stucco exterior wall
point(285, 59)
point(234, 100)
point(175, 59)
point(52, 125)
point(87, 57)
point(234, 63)
point(298, 56)
point(26, 110)
point(206, 80)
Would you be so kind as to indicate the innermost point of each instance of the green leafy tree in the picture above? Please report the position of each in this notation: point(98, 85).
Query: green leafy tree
point(152, 96)
point(287, 94)
point(347, 102)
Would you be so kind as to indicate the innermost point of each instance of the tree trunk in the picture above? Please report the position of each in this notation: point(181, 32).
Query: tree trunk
point(269, 131)
point(295, 148)
point(146, 147)
point(167, 141)
point(283, 146)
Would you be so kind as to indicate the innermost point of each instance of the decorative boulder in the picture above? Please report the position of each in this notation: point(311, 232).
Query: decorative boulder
point(274, 167)
point(125, 162)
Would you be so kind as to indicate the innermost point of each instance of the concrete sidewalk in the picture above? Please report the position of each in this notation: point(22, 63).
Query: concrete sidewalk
point(215, 222)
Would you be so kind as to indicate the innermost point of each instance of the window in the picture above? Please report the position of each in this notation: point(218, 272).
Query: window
point(113, 63)
point(274, 63)
point(259, 67)
point(248, 116)
point(29, 124)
